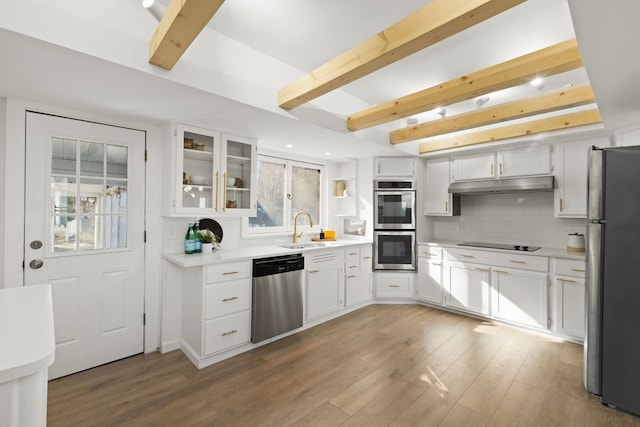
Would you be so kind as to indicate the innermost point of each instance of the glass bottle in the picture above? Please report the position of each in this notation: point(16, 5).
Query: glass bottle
point(189, 240)
point(196, 235)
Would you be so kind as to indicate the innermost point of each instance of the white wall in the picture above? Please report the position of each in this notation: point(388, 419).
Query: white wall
point(508, 218)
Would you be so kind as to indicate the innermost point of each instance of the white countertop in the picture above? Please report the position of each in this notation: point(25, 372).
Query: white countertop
point(543, 251)
point(27, 341)
point(239, 254)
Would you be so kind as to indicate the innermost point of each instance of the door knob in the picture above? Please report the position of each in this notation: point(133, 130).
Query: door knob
point(36, 244)
point(36, 263)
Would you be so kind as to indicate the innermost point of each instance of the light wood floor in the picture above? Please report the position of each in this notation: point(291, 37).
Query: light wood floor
point(383, 365)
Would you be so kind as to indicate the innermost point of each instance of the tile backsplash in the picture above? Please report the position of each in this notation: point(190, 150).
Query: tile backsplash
point(508, 218)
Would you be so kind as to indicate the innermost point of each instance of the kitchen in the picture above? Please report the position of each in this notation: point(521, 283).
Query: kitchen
point(164, 233)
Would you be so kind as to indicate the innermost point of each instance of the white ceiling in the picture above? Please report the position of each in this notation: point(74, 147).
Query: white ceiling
point(307, 33)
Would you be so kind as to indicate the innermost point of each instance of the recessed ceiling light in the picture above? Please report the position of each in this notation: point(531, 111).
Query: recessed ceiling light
point(289, 145)
point(327, 154)
point(482, 100)
point(412, 121)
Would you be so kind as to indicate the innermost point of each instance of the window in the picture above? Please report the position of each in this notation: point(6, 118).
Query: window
point(284, 188)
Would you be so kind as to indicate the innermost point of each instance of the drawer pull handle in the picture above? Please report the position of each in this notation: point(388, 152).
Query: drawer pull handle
point(367, 257)
point(229, 299)
point(482, 269)
point(353, 253)
point(567, 280)
point(467, 256)
point(501, 271)
point(353, 266)
point(351, 276)
point(437, 263)
point(226, 273)
point(427, 253)
point(233, 331)
point(515, 261)
point(394, 286)
point(314, 271)
point(491, 169)
point(578, 270)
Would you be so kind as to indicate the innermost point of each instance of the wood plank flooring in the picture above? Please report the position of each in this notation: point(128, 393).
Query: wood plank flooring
point(383, 365)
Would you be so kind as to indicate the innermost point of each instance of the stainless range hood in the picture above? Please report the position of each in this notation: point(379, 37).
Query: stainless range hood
point(505, 185)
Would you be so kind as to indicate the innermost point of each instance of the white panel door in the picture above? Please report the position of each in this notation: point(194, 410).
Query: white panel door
point(84, 225)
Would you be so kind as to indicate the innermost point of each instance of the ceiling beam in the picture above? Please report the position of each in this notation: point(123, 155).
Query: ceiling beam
point(552, 101)
point(180, 25)
point(434, 22)
point(551, 60)
point(565, 121)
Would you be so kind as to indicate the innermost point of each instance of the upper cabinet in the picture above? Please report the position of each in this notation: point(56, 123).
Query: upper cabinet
point(628, 136)
point(215, 173)
point(523, 161)
point(533, 160)
point(473, 166)
point(437, 199)
point(390, 167)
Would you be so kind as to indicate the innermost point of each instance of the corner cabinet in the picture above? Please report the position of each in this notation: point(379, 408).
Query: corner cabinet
point(215, 173)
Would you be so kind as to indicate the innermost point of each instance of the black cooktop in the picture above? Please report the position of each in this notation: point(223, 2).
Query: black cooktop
point(524, 248)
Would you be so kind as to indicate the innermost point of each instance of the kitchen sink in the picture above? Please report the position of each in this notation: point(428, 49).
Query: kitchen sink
point(309, 245)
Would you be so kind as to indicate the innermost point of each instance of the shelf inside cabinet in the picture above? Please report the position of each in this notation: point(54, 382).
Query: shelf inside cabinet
point(237, 189)
point(197, 154)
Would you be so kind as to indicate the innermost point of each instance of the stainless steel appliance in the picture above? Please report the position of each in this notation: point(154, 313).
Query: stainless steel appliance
point(395, 203)
point(277, 296)
point(612, 342)
point(503, 185)
point(394, 250)
point(524, 248)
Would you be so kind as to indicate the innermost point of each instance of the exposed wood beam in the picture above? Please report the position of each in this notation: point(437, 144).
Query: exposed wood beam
point(565, 121)
point(552, 101)
point(551, 60)
point(434, 22)
point(180, 25)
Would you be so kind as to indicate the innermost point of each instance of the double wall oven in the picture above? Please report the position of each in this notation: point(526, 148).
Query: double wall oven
point(394, 224)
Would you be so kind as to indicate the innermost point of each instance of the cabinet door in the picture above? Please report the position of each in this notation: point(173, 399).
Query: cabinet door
point(197, 161)
point(534, 160)
point(520, 296)
point(238, 176)
point(394, 166)
point(571, 179)
point(323, 290)
point(393, 285)
point(429, 286)
point(467, 287)
point(473, 166)
point(438, 201)
point(570, 300)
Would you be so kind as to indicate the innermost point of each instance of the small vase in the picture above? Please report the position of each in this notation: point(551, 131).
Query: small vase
point(207, 248)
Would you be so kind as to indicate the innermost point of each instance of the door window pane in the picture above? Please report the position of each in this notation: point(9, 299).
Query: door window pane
point(90, 195)
point(91, 159)
point(64, 230)
point(63, 156)
point(116, 231)
point(116, 197)
point(63, 194)
point(116, 161)
point(90, 232)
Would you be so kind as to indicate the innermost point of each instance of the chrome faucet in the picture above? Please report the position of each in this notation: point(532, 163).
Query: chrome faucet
point(295, 225)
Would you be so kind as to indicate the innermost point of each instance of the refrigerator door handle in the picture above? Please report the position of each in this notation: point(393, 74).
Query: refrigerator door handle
point(593, 310)
point(594, 184)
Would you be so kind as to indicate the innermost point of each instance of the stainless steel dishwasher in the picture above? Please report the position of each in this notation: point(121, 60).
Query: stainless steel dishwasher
point(277, 305)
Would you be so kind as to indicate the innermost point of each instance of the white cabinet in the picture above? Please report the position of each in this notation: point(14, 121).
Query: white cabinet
point(569, 284)
point(394, 167)
point(473, 166)
point(358, 273)
point(438, 200)
point(467, 287)
point(324, 282)
point(430, 275)
point(214, 174)
point(519, 296)
point(216, 308)
point(570, 196)
point(393, 285)
point(628, 136)
point(531, 160)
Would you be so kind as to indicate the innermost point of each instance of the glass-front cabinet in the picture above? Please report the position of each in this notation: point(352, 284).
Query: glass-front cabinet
point(215, 173)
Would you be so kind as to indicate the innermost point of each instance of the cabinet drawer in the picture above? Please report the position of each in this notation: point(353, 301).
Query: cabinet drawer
point(227, 332)
point(526, 262)
point(393, 286)
point(570, 267)
point(352, 253)
point(429, 251)
point(225, 298)
point(228, 271)
point(467, 255)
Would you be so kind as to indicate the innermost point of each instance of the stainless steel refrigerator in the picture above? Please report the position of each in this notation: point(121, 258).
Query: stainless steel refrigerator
point(612, 338)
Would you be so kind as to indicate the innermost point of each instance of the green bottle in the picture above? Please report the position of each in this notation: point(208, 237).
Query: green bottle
point(196, 236)
point(190, 240)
